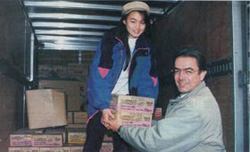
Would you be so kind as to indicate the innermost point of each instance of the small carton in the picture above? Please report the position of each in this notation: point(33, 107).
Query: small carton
point(132, 103)
point(77, 126)
point(47, 140)
point(46, 108)
point(24, 149)
point(80, 117)
point(76, 149)
point(23, 137)
point(20, 140)
point(57, 131)
point(132, 110)
point(107, 147)
point(55, 149)
point(76, 136)
point(70, 117)
point(127, 118)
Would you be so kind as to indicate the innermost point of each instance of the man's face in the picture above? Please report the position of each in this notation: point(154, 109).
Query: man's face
point(187, 75)
point(135, 24)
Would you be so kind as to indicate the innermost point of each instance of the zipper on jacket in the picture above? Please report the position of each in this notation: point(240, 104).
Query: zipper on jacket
point(132, 56)
point(120, 64)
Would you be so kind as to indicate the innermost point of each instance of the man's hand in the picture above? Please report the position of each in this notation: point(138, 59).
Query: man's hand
point(106, 116)
point(108, 120)
point(113, 125)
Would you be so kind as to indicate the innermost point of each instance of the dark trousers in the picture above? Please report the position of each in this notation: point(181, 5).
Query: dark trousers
point(95, 133)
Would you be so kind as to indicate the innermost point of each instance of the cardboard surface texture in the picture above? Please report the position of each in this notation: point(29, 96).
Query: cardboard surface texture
point(72, 90)
point(24, 149)
point(47, 140)
point(76, 137)
point(132, 110)
point(132, 103)
point(46, 108)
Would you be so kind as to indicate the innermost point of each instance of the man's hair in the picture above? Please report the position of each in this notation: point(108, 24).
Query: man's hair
point(190, 52)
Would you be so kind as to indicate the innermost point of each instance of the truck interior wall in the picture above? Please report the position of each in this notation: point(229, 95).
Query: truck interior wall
point(12, 46)
point(205, 26)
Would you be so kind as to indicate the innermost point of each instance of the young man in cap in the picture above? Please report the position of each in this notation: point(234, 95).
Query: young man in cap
point(123, 65)
point(192, 122)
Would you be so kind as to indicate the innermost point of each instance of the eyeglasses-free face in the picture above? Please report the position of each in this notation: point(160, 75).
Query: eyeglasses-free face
point(135, 24)
point(187, 74)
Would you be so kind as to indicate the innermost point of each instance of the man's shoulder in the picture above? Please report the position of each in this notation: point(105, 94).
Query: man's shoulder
point(202, 99)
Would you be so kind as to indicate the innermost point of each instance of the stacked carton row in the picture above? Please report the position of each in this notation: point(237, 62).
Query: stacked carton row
point(55, 124)
point(52, 128)
point(72, 71)
point(69, 138)
point(42, 140)
point(132, 110)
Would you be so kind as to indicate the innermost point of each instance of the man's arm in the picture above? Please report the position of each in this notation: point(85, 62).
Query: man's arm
point(179, 132)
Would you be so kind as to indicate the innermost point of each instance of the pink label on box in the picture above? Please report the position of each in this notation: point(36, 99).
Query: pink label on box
point(20, 140)
point(134, 108)
point(20, 143)
point(144, 109)
point(47, 140)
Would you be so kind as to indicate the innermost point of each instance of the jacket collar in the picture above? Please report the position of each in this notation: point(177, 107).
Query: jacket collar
point(189, 94)
point(142, 41)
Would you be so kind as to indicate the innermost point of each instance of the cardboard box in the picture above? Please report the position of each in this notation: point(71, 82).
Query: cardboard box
point(132, 103)
point(70, 117)
point(46, 108)
point(55, 149)
point(107, 147)
point(132, 110)
point(80, 117)
point(78, 69)
point(47, 140)
point(24, 149)
point(77, 126)
point(20, 140)
point(127, 118)
point(23, 137)
point(76, 136)
point(76, 149)
point(57, 131)
point(72, 90)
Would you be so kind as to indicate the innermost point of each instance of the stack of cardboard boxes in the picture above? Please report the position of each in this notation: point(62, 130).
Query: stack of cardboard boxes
point(76, 119)
point(47, 130)
point(56, 123)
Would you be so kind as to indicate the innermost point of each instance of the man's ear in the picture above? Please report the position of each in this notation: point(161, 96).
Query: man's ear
point(124, 22)
point(202, 75)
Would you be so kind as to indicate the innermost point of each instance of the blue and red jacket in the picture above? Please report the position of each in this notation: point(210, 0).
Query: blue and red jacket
point(107, 65)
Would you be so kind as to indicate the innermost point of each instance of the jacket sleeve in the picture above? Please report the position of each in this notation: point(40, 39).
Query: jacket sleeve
point(99, 86)
point(178, 133)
